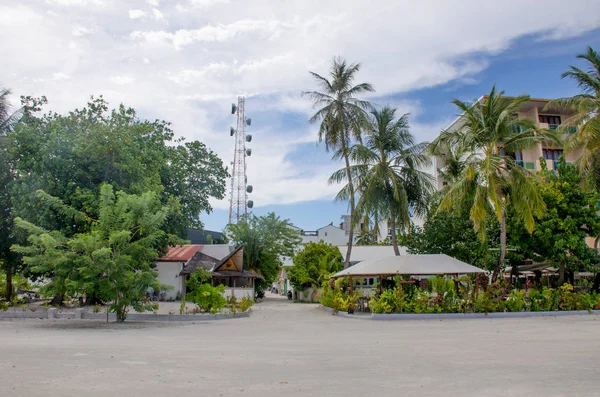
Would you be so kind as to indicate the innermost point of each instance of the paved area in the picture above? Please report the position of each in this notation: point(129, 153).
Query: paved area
point(288, 349)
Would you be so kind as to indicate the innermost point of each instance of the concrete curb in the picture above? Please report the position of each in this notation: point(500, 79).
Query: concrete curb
point(461, 316)
point(80, 314)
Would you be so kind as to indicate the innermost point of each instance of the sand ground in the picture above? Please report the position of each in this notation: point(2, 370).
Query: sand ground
point(288, 349)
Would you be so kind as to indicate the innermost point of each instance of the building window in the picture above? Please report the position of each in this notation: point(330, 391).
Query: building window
point(552, 154)
point(325, 234)
point(552, 120)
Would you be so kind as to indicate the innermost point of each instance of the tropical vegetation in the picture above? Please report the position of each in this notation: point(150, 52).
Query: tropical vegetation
point(341, 117)
point(266, 239)
point(313, 265)
point(585, 121)
point(494, 181)
point(388, 173)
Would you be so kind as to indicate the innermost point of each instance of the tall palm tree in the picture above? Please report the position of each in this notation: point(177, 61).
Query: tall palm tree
point(387, 172)
point(586, 115)
point(342, 116)
point(456, 157)
point(493, 180)
point(8, 116)
point(8, 259)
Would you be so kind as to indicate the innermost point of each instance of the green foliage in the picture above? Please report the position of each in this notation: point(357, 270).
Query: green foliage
point(205, 296)
point(246, 303)
point(341, 117)
point(387, 172)
point(585, 109)
point(496, 298)
point(70, 156)
point(113, 260)
point(452, 233)
point(493, 180)
point(265, 239)
point(571, 215)
point(313, 265)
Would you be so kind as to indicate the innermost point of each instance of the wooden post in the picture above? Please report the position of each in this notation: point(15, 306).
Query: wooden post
point(476, 284)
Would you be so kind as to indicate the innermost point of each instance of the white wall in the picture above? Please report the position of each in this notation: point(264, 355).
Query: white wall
point(168, 274)
point(239, 292)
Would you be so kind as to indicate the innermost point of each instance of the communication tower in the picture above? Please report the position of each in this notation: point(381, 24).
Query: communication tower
point(239, 203)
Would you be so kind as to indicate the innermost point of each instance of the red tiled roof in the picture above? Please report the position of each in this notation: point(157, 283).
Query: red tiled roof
point(180, 253)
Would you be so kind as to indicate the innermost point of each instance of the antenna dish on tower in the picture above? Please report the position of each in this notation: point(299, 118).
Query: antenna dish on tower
point(249, 188)
point(248, 152)
point(233, 108)
point(250, 203)
point(249, 121)
point(248, 138)
point(231, 131)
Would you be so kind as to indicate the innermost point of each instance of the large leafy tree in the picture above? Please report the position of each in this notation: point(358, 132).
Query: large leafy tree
point(387, 172)
point(341, 116)
point(571, 215)
point(452, 233)
point(70, 156)
point(266, 239)
point(494, 181)
point(9, 261)
point(586, 115)
point(113, 259)
point(313, 264)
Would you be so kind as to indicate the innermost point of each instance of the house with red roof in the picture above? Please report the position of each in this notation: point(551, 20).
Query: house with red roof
point(224, 261)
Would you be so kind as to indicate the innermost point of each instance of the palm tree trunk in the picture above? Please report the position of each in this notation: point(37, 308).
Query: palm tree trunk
point(500, 264)
point(352, 205)
point(393, 227)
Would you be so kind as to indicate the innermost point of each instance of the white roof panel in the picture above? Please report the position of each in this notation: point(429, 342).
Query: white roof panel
point(410, 264)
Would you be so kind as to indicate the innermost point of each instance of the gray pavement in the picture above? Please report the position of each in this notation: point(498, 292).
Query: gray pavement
point(288, 349)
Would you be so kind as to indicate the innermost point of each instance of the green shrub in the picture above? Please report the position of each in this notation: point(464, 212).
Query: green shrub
point(246, 303)
point(205, 296)
point(516, 301)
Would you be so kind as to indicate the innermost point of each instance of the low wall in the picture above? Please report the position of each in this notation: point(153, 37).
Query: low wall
point(80, 314)
point(460, 316)
point(239, 293)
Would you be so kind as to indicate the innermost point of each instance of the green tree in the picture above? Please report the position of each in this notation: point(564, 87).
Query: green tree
point(266, 239)
point(114, 258)
point(387, 172)
point(452, 233)
point(70, 156)
point(494, 181)
point(342, 116)
point(313, 264)
point(571, 215)
point(9, 262)
point(586, 116)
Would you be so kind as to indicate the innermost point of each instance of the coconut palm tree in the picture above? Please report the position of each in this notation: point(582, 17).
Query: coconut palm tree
point(341, 116)
point(456, 157)
point(387, 172)
point(493, 180)
point(586, 116)
point(8, 116)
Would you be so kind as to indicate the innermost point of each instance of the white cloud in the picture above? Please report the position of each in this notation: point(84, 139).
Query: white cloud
point(189, 70)
point(137, 14)
point(159, 16)
point(122, 79)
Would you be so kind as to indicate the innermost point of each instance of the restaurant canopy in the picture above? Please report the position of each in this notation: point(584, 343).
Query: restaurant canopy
point(409, 265)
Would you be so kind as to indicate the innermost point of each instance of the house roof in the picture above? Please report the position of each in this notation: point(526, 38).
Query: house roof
point(411, 265)
point(180, 253)
point(367, 252)
point(200, 236)
point(210, 259)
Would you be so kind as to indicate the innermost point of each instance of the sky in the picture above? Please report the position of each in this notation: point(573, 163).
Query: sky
point(186, 61)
